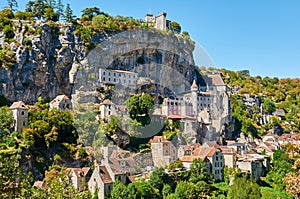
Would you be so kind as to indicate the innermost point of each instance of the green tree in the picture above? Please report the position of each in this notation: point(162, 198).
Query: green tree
point(37, 8)
point(50, 15)
point(68, 14)
point(90, 12)
point(243, 188)
point(118, 191)
point(176, 27)
point(60, 9)
point(198, 171)
point(6, 118)
point(269, 106)
point(140, 107)
point(159, 178)
point(12, 4)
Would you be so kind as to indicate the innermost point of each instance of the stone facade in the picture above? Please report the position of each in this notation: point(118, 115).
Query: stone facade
point(61, 102)
point(102, 180)
point(20, 114)
point(163, 151)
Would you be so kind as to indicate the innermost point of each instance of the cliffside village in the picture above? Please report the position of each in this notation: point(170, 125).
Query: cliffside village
point(203, 110)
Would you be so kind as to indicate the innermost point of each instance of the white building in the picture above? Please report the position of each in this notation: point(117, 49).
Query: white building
point(125, 78)
point(20, 113)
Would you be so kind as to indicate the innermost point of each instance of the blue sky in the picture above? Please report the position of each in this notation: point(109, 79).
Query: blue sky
point(260, 35)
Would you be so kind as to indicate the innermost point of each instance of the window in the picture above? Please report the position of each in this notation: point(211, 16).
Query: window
point(103, 78)
point(109, 79)
point(24, 124)
point(124, 80)
point(103, 73)
point(129, 76)
point(119, 75)
point(129, 81)
point(108, 73)
point(114, 74)
point(22, 113)
point(115, 80)
point(217, 158)
point(221, 164)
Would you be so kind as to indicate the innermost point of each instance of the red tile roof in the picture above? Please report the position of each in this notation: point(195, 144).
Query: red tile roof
point(104, 175)
point(107, 102)
point(159, 139)
point(18, 105)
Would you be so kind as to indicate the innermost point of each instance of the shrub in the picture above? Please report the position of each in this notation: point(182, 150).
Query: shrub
point(7, 57)
point(27, 41)
point(8, 32)
point(7, 13)
point(24, 16)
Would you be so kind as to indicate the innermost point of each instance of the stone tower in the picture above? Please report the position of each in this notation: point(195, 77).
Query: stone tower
point(20, 113)
point(194, 96)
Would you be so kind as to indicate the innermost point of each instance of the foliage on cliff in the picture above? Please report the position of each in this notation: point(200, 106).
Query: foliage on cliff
point(269, 94)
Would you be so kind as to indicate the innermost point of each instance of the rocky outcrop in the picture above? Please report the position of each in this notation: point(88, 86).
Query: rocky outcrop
point(51, 60)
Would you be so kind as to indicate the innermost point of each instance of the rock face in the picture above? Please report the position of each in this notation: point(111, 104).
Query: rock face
point(56, 62)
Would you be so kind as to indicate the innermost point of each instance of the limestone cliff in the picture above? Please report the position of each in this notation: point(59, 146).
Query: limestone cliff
point(51, 60)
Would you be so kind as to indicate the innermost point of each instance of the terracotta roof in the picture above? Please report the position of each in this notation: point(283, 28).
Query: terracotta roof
point(204, 152)
point(40, 184)
point(190, 158)
point(107, 102)
point(212, 144)
point(158, 139)
point(18, 105)
point(104, 175)
point(131, 179)
point(175, 117)
point(80, 172)
point(227, 150)
point(60, 98)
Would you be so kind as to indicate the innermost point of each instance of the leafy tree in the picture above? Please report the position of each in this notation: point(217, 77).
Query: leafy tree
point(12, 4)
point(139, 107)
point(176, 27)
point(7, 13)
point(90, 12)
point(167, 190)
point(68, 14)
point(268, 106)
point(244, 188)
point(50, 15)
point(60, 9)
point(38, 9)
point(198, 171)
point(118, 191)
point(6, 118)
point(24, 16)
point(293, 184)
point(159, 178)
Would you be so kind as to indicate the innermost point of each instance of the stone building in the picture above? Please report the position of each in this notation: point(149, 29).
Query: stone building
point(103, 178)
point(160, 21)
point(20, 114)
point(79, 177)
point(163, 151)
point(114, 77)
point(61, 102)
point(107, 108)
point(213, 157)
point(207, 106)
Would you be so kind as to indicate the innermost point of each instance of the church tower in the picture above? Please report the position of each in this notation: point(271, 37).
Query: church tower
point(20, 113)
point(194, 97)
